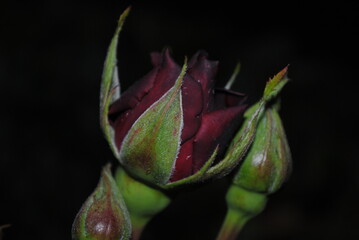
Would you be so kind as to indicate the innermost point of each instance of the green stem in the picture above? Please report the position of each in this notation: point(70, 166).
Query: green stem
point(143, 201)
point(138, 224)
point(232, 225)
point(242, 205)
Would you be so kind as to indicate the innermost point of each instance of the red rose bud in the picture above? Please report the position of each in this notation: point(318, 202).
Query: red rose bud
point(268, 162)
point(168, 124)
point(170, 127)
point(104, 215)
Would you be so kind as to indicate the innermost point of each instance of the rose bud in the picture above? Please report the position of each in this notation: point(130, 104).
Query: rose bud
point(168, 124)
point(268, 162)
point(264, 168)
point(104, 215)
point(172, 127)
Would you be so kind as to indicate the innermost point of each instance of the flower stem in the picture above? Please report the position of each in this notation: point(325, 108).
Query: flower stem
point(143, 201)
point(232, 225)
point(138, 224)
point(242, 206)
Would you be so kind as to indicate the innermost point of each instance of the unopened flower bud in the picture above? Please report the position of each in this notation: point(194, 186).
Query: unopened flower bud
point(173, 126)
point(264, 169)
point(104, 215)
point(268, 162)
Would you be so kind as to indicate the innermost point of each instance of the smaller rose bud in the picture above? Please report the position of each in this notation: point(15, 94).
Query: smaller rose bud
point(268, 162)
point(104, 215)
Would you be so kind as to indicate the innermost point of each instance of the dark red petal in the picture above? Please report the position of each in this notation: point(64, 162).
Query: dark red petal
point(156, 59)
point(217, 128)
point(133, 95)
point(192, 107)
point(165, 78)
point(204, 71)
point(194, 58)
point(125, 111)
point(183, 166)
point(224, 98)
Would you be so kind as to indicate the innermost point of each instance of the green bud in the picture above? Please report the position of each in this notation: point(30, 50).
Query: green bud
point(104, 215)
point(268, 162)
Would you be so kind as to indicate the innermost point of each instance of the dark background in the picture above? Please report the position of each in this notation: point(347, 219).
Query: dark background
point(52, 149)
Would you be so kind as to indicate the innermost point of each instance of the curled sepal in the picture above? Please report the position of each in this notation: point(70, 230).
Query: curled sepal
point(275, 85)
point(104, 215)
point(232, 79)
point(244, 138)
point(268, 162)
point(151, 146)
point(110, 86)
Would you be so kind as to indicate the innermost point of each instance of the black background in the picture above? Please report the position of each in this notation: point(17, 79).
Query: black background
point(52, 149)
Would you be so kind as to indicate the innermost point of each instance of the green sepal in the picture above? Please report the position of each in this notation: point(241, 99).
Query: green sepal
point(110, 86)
point(150, 148)
point(244, 138)
point(268, 162)
point(275, 85)
point(233, 78)
point(104, 215)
